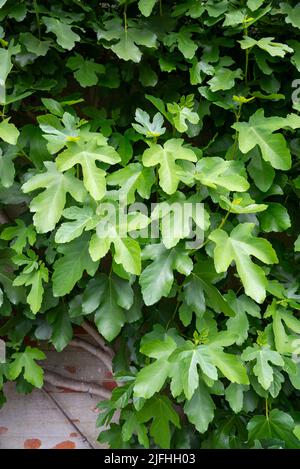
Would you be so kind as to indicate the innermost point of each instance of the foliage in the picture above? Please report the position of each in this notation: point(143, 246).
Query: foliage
point(187, 103)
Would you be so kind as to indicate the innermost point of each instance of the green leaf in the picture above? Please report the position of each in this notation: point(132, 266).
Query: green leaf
point(166, 157)
point(151, 378)
point(86, 152)
point(200, 409)
point(125, 47)
point(69, 268)
point(21, 234)
point(230, 365)
point(161, 413)
point(62, 331)
point(33, 373)
point(181, 115)
point(146, 6)
point(259, 131)
point(7, 168)
point(109, 298)
point(187, 360)
point(58, 131)
point(234, 394)
point(262, 369)
point(261, 172)
point(9, 132)
point(113, 228)
point(34, 45)
point(157, 278)
point(275, 218)
point(275, 49)
point(133, 426)
point(53, 199)
point(224, 79)
point(65, 37)
point(131, 179)
point(85, 71)
point(292, 14)
point(83, 219)
point(239, 246)
point(176, 214)
point(147, 128)
point(277, 425)
point(215, 172)
point(33, 274)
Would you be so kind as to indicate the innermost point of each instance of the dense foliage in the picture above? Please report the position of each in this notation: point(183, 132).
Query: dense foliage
point(179, 104)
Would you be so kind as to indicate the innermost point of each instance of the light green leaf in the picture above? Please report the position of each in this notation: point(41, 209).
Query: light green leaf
point(33, 373)
point(83, 217)
point(9, 132)
point(275, 49)
point(239, 246)
point(166, 157)
point(215, 172)
point(131, 179)
point(230, 365)
point(53, 199)
point(181, 115)
point(146, 6)
point(147, 128)
point(113, 228)
point(259, 131)
point(86, 151)
point(21, 234)
point(224, 79)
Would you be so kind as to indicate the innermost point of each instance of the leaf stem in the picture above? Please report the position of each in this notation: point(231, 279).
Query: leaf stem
point(267, 408)
point(125, 18)
point(160, 8)
point(37, 15)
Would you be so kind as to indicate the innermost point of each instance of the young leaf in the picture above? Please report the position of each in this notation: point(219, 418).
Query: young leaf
point(150, 129)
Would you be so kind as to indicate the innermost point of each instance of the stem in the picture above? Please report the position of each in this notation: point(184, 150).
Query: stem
point(160, 8)
point(235, 143)
point(267, 408)
point(35, 5)
point(125, 18)
point(247, 65)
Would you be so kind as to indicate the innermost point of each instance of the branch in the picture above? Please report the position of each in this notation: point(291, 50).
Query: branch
point(63, 382)
point(100, 341)
point(106, 359)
